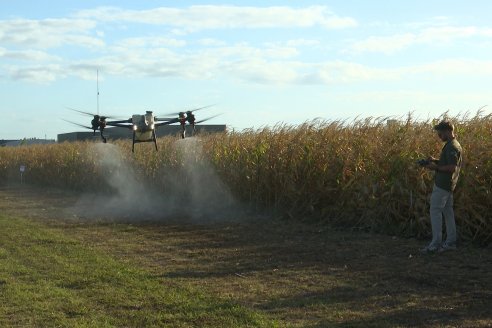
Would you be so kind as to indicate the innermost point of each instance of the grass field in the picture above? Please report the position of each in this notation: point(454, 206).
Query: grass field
point(59, 270)
point(49, 278)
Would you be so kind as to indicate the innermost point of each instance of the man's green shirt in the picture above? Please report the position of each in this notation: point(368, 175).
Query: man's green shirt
point(450, 155)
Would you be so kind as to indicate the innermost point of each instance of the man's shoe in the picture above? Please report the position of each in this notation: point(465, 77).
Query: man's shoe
point(447, 247)
point(429, 249)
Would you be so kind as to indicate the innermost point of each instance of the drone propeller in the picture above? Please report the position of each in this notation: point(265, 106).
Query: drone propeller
point(206, 119)
point(91, 114)
point(83, 126)
point(193, 110)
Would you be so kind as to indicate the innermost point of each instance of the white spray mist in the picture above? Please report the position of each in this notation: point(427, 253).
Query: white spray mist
point(192, 193)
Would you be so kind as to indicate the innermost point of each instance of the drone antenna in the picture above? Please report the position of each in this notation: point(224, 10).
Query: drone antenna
point(97, 81)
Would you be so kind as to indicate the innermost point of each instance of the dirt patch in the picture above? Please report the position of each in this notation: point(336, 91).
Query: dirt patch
point(300, 274)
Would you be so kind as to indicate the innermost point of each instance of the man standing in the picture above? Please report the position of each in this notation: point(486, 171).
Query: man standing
point(447, 170)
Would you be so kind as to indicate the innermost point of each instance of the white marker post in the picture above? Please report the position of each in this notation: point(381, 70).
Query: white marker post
point(22, 169)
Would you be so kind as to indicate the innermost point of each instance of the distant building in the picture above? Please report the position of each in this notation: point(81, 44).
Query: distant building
point(122, 133)
point(25, 142)
point(392, 123)
point(4, 142)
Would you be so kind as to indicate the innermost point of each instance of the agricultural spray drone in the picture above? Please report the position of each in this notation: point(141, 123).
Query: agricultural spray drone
point(143, 126)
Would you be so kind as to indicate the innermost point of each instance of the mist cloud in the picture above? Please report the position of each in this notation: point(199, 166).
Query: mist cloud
point(192, 193)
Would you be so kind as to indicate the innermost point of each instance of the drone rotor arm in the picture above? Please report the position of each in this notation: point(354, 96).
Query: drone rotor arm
point(113, 123)
point(122, 125)
point(172, 121)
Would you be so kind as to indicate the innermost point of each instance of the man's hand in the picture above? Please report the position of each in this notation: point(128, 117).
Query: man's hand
point(432, 163)
point(431, 166)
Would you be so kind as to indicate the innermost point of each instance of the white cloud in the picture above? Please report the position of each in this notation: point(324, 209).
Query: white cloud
point(256, 66)
point(37, 74)
point(196, 18)
point(386, 45)
point(449, 33)
point(151, 42)
point(243, 50)
point(422, 101)
point(28, 39)
point(303, 43)
point(28, 55)
point(260, 71)
point(435, 21)
point(448, 67)
point(428, 36)
point(347, 72)
point(270, 63)
point(48, 33)
point(211, 42)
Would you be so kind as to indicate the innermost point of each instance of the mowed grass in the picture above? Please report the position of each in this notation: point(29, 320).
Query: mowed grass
point(256, 272)
point(48, 279)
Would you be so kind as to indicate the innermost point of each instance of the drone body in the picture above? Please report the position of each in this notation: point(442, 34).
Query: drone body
point(143, 127)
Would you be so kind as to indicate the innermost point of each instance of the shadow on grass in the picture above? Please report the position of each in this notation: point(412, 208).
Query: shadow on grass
point(383, 280)
point(408, 318)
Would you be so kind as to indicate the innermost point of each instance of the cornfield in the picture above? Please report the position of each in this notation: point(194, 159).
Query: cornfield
point(361, 174)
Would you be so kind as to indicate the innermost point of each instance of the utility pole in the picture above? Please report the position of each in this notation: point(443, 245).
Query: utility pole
point(97, 79)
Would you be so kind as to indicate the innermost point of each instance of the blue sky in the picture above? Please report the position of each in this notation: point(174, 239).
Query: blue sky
point(260, 62)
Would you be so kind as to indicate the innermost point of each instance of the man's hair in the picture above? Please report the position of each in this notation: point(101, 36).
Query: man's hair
point(444, 126)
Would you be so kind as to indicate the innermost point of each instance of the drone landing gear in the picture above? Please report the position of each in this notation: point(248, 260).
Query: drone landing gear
point(183, 131)
point(154, 140)
point(103, 137)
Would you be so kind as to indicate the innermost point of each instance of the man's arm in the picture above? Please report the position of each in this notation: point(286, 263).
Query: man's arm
point(452, 157)
point(451, 168)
